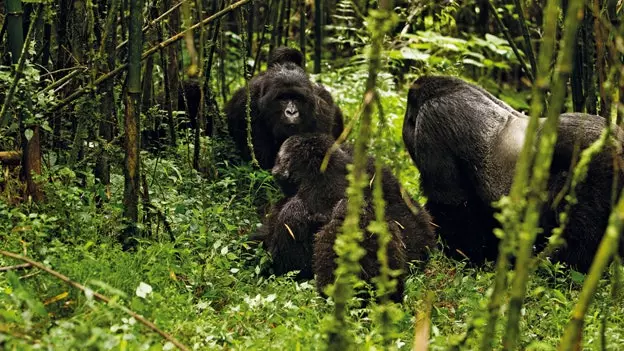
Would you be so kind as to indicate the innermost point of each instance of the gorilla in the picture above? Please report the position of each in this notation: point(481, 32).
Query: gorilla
point(311, 195)
point(324, 260)
point(465, 143)
point(284, 102)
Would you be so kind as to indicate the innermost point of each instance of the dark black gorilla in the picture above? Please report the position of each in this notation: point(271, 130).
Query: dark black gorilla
point(288, 233)
point(465, 142)
point(324, 260)
point(284, 102)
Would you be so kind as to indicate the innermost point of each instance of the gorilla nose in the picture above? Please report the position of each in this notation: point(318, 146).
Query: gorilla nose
point(291, 112)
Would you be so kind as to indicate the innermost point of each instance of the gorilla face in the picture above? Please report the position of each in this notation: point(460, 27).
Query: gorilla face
point(287, 101)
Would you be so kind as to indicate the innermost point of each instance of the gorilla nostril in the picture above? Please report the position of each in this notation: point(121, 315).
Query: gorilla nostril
point(292, 114)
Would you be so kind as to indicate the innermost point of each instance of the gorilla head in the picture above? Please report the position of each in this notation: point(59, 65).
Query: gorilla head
point(465, 143)
point(287, 101)
point(284, 102)
point(283, 55)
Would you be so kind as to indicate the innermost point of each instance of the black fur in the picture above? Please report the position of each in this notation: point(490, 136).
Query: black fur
point(466, 142)
point(314, 194)
point(324, 261)
point(283, 55)
point(284, 102)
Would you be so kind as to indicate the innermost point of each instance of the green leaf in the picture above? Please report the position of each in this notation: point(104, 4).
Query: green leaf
point(577, 277)
point(28, 133)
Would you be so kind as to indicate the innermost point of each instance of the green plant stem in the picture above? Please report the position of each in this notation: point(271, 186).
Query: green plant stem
point(347, 243)
point(541, 173)
point(527, 38)
point(511, 209)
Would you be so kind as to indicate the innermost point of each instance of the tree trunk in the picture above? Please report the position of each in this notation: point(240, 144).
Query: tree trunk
point(107, 52)
point(172, 69)
point(132, 125)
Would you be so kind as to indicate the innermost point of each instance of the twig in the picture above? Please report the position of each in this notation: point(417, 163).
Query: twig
point(98, 296)
point(80, 92)
point(16, 267)
point(62, 80)
point(422, 328)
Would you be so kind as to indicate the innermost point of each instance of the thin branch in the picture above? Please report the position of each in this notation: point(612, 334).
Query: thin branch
point(16, 267)
point(98, 296)
point(527, 38)
point(62, 80)
point(153, 23)
point(511, 42)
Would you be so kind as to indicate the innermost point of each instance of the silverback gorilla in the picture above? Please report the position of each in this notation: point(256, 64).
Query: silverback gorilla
point(284, 102)
point(465, 142)
point(311, 197)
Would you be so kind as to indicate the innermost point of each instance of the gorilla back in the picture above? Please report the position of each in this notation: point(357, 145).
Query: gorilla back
point(284, 102)
point(466, 142)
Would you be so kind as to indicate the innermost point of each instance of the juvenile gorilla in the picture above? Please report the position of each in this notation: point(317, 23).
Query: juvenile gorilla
point(310, 199)
point(324, 260)
point(284, 102)
point(465, 143)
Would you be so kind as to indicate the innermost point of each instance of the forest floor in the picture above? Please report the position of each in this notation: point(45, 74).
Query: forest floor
point(197, 278)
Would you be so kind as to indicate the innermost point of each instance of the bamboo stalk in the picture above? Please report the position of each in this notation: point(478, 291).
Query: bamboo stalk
point(22, 49)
